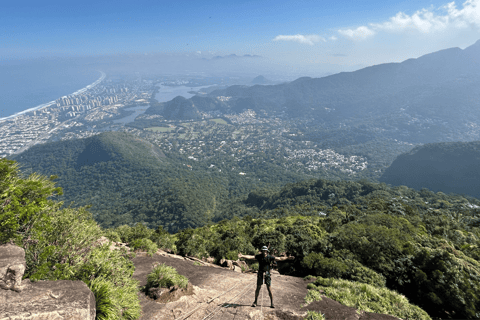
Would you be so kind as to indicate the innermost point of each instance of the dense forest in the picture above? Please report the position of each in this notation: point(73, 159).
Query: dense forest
point(419, 243)
point(447, 167)
point(422, 244)
point(127, 179)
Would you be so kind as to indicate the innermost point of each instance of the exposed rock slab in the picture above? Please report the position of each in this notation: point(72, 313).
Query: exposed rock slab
point(52, 300)
point(12, 267)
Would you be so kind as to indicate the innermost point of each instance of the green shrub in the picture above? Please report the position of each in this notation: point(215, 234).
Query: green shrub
point(232, 255)
point(163, 239)
point(254, 266)
point(113, 267)
point(106, 307)
point(194, 242)
point(144, 245)
point(311, 286)
point(67, 254)
point(312, 315)
point(24, 202)
point(319, 265)
point(275, 238)
point(165, 277)
point(312, 295)
point(112, 235)
point(369, 298)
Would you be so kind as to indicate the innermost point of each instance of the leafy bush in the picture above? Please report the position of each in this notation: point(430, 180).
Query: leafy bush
point(60, 243)
point(165, 277)
point(312, 295)
point(108, 306)
point(144, 245)
point(23, 202)
point(275, 238)
point(369, 298)
point(443, 279)
point(163, 239)
point(254, 266)
point(312, 315)
point(138, 231)
point(115, 268)
point(112, 235)
point(317, 264)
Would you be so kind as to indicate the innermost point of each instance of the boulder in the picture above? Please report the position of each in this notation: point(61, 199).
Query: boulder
point(12, 267)
point(157, 293)
point(164, 295)
point(237, 269)
point(113, 245)
point(226, 264)
point(52, 300)
point(209, 260)
point(42, 300)
point(240, 264)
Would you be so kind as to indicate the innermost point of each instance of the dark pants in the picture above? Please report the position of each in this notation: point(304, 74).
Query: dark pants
point(260, 277)
point(268, 282)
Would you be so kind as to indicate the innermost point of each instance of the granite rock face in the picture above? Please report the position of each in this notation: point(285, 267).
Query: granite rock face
point(113, 245)
point(42, 300)
point(12, 267)
point(52, 300)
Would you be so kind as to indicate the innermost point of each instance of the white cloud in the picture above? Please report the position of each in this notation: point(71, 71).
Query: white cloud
point(360, 33)
point(306, 39)
point(424, 21)
point(333, 38)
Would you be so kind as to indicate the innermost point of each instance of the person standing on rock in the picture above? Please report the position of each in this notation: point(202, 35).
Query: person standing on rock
point(264, 262)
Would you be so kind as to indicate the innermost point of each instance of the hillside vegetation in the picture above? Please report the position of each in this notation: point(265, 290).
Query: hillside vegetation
point(60, 243)
point(447, 167)
point(128, 179)
point(421, 244)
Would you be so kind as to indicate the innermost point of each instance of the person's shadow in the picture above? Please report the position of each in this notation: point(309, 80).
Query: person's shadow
point(233, 305)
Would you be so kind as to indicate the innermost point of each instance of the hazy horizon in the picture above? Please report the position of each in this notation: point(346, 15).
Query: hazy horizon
point(302, 38)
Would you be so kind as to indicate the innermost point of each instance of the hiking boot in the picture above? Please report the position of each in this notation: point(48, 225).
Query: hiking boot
point(254, 304)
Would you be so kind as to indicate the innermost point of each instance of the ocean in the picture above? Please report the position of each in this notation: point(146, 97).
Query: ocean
point(27, 84)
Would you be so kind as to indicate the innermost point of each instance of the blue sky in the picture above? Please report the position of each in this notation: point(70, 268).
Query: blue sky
point(303, 33)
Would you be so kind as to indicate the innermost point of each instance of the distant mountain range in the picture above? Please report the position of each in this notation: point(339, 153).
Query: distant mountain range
point(448, 167)
point(428, 99)
point(234, 56)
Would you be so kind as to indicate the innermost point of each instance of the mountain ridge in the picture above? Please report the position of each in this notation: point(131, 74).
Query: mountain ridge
point(448, 167)
point(371, 91)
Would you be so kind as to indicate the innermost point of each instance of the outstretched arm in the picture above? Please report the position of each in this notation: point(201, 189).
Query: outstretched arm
point(246, 256)
point(283, 258)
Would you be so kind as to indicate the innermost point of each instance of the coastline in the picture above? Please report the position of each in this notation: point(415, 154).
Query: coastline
point(48, 104)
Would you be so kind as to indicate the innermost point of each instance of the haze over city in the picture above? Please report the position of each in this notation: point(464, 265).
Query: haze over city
point(303, 36)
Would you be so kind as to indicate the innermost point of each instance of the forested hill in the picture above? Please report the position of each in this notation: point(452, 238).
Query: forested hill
point(127, 179)
point(370, 90)
point(451, 167)
point(421, 244)
point(432, 98)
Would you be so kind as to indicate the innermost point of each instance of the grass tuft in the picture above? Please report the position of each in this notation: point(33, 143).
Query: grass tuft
point(365, 297)
point(312, 315)
point(165, 277)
